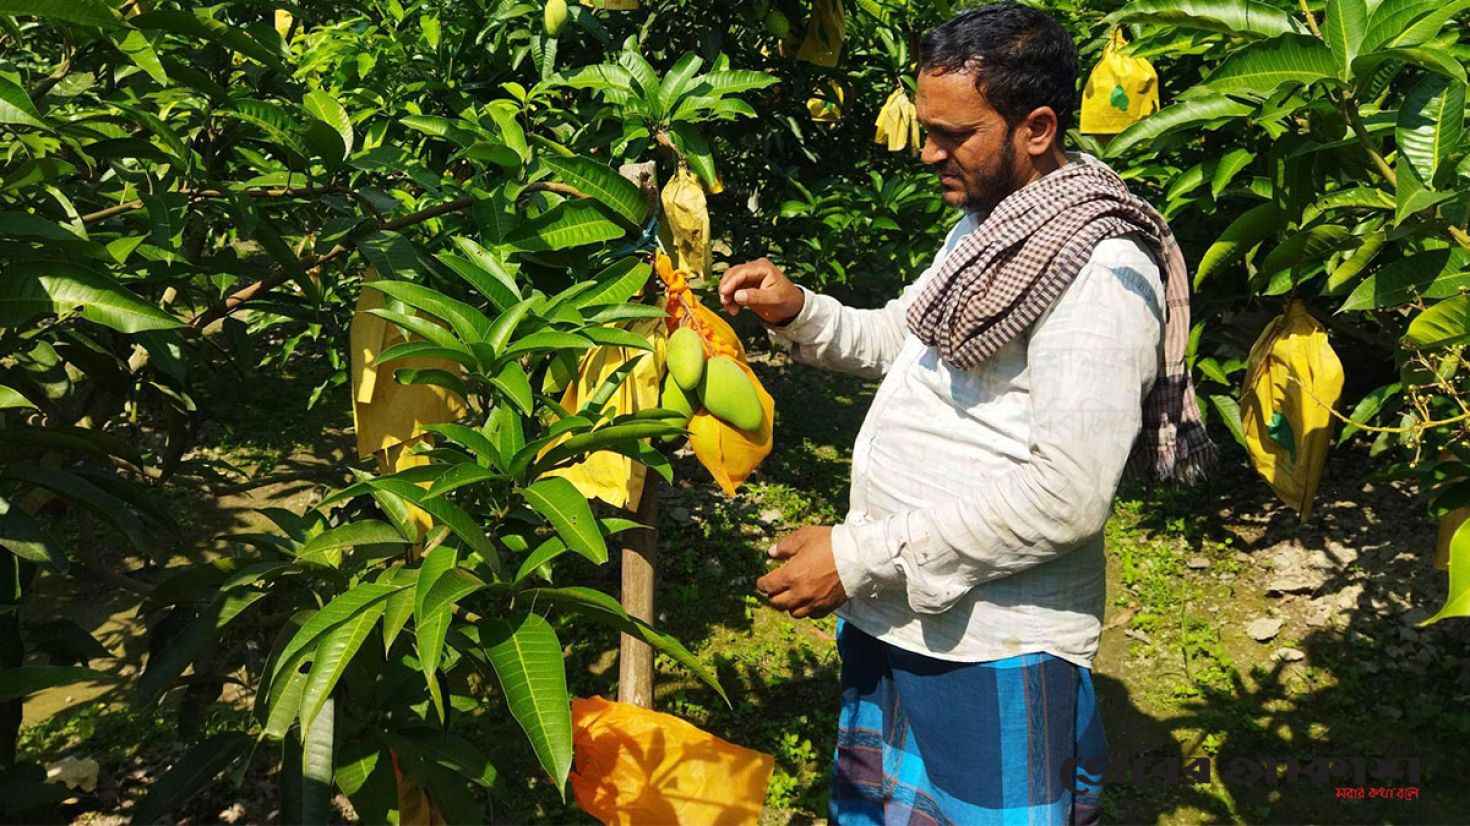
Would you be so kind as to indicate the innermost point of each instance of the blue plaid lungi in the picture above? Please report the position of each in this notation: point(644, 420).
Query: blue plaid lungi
point(928, 741)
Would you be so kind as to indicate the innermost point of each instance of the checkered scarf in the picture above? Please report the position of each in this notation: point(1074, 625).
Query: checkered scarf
point(1002, 276)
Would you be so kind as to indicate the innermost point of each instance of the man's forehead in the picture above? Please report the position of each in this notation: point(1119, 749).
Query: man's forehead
point(952, 103)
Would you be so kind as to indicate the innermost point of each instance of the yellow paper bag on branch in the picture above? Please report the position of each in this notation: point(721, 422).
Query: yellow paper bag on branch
point(612, 477)
point(1293, 382)
point(1121, 91)
point(824, 33)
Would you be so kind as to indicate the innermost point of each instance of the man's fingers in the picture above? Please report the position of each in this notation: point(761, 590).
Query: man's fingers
point(772, 583)
point(790, 543)
point(785, 601)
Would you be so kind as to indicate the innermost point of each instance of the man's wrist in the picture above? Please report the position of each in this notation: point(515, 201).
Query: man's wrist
point(786, 321)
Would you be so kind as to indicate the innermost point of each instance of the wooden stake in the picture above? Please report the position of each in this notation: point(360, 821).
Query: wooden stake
point(640, 549)
point(640, 556)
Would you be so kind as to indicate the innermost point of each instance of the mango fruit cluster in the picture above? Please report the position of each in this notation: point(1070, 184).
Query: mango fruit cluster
point(718, 384)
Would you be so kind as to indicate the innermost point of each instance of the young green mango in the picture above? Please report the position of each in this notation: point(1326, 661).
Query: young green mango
point(686, 357)
point(556, 16)
point(674, 398)
point(728, 394)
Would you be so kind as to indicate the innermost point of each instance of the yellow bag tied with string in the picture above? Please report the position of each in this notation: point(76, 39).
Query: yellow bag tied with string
point(685, 222)
point(824, 33)
point(1293, 382)
point(636, 766)
point(389, 417)
point(612, 477)
point(1121, 91)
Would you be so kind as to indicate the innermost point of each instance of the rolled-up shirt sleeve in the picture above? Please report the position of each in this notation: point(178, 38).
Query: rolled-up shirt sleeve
point(1092, 358)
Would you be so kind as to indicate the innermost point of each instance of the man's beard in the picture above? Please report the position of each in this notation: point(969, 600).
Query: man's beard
point(994, 185)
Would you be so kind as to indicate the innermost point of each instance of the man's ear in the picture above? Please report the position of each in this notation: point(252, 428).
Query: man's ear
point(1039, 131)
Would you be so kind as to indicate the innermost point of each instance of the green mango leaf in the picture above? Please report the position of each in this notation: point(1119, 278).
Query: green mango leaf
point(329, 111)
point(23, 536)
point(1394, 22)
point(1261, 67)
point(365, 774)
point(35, 288)
point(1366, 66)
point(1430, 124)
point(333, 654)
point(607, 437)
point(24, 680)
point(1343, 28)
point(342, 607)
point(600, 181)
point(696, 150)
point(313, 795)
point(199, 25)
point(1252, 227)
point(1367, 408)
point(467, 322)
point(1457, 603)
point(85, 12)
point(569, 513)
point(84, 492)
point(477, 443)
point(515, 384)
point(1434, 274)
point(486, 283)
point(1306, 247)
point(326, 548)
point(445, 513)
point(1229, 411)
point(16, 106)
point(568, 224)
point(139, 49)
point(1248, 18)
point(602, 608)
point(678, 80)
point(1442, 325)
point(528, 662)
point(165, 666)
point(1413, 194)
point(193, 771)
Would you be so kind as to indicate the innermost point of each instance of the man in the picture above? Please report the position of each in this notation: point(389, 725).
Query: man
point(1040, 356)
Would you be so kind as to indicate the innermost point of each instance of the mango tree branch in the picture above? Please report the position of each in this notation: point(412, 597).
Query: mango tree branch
point(235, 299)
point(1348, 104)
point(200, 194)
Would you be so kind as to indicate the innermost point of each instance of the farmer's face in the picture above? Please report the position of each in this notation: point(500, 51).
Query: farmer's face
point(968, 142)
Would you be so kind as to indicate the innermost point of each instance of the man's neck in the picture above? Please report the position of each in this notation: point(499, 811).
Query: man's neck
point(1047, 164)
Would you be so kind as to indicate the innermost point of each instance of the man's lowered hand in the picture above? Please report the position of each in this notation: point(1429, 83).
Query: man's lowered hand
point(807, 585)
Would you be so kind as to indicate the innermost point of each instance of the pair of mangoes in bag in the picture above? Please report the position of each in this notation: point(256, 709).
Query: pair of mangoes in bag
point(718, 383)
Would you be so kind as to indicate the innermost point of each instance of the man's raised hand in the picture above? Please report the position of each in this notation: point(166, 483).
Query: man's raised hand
point(763, 288)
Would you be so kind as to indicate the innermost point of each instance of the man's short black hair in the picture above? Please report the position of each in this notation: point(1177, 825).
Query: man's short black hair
point(1024, 59)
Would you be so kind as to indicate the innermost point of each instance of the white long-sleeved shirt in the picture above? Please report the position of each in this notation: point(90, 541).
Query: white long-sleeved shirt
point(974, 529)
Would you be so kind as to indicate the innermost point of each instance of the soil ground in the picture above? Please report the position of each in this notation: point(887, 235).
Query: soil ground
point(1234, 633)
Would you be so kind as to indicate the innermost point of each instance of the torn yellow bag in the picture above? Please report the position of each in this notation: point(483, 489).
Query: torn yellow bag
point(612, 477)
point(728, 453)
point(1293, 381)
point(636, 766)
point(1121, 91)
point(824, 33)
point(684, 222)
